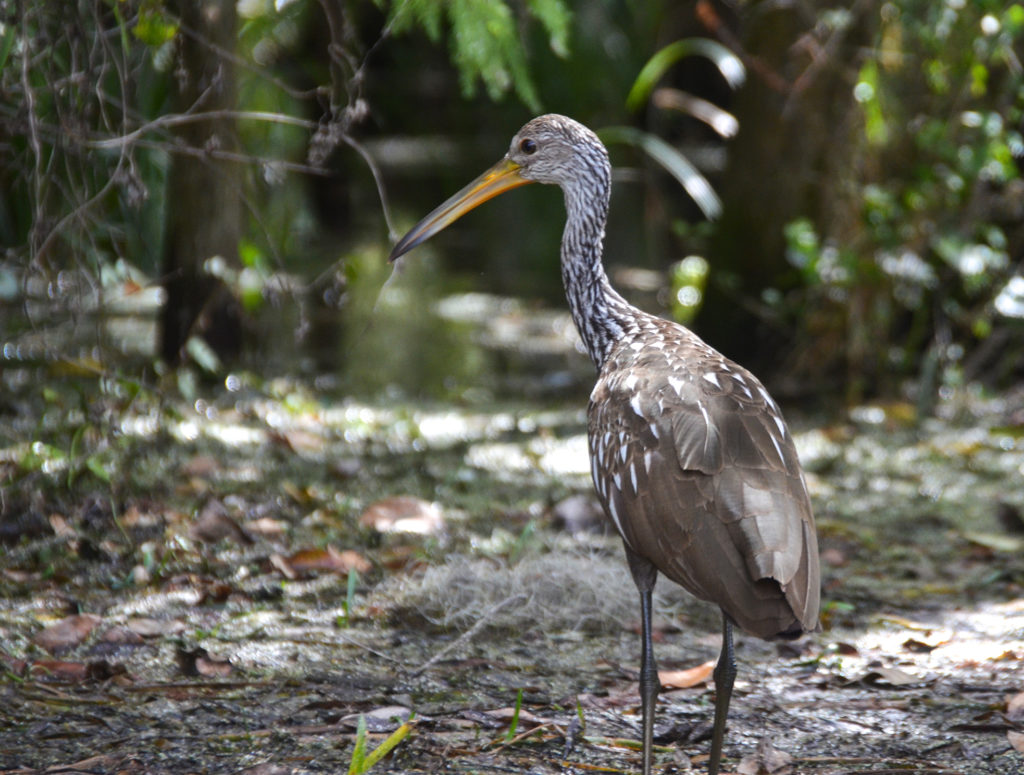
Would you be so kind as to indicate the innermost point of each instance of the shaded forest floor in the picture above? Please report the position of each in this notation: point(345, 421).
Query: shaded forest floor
point(228, 584)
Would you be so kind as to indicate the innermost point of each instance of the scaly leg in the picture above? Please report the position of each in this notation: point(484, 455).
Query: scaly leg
point(725, 674)
point(649, 682)
point(644, 576)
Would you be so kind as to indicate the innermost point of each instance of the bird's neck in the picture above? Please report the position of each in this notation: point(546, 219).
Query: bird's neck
point(601, 315)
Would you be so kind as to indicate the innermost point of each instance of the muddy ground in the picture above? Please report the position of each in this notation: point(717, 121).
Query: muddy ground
point(227, 584)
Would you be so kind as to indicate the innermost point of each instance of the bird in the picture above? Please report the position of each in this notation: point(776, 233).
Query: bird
point(690, 456)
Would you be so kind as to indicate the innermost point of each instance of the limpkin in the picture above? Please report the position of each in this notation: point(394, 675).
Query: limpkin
point(690, 456)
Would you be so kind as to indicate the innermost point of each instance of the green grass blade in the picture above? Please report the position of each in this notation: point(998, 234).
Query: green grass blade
point(677, 165)
point(357, 765)
point(389, 744)
point(6, 45)
point(514, 725)
point(728, 64)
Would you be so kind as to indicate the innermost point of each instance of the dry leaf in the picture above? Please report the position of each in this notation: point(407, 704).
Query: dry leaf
point(154, 628)
point(403, 514)
point(889, 676)
point(281, 565)
point(919, 646)
point(525, 717)
point(996, 542)
point(297, 441)
point(67, 633)
point(212, 667)
point(767, 760)
point(215, 524)
point(329, 559)
point(267, 768)
point(198, 661)
point(201, 465)
point(384, 719)
point(266, 526)
point(121, 636)
point(1015, 707)
point(1016, 740)
point(61, 528)
point(685, 679)
point(74, 672)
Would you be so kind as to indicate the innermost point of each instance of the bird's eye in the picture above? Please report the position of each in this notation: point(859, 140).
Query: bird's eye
point(528, 146)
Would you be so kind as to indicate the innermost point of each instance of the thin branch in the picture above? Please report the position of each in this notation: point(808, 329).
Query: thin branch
point(177, 119)
point(468, 634)
point(378, 179)
point(241, 62)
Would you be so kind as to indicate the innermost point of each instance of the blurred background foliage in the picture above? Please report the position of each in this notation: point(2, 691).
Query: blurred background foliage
point(866, 160)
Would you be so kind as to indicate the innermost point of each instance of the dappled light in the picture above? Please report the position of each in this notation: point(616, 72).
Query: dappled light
point(273, 503)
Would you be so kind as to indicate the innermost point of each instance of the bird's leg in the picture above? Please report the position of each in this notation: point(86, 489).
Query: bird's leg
point(649, 682)
point(644, 576)
point(725, 674)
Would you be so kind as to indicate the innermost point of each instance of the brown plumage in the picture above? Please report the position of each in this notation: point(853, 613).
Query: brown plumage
point(694, 464)
point(690, 455)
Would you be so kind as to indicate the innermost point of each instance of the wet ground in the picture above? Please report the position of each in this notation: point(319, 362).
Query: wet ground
point(228, 583)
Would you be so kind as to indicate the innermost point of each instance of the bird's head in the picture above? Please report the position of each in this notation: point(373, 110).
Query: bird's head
point(548, 149)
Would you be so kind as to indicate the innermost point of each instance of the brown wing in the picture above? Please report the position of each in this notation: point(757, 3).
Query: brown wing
point(695, 466)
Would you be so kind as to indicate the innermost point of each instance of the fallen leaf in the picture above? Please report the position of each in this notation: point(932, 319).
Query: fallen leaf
point(154, 628)
point(60, 527)
point(281, 565)
point(685, 679)
point(121, 636)
point(1015, 707)
point(329, 560)
point(384, 719)
point(215, 524)
point(403, 514)
point(918, 646)
point(74, 672)
point(1016, 740)
point(212, 667)
point(266, 526)
point(767, 760)
point(525, 717)
point(201, 465)
point(267, 768)
point(996, 542)
point(20, 576)
point(198, 661)
point(297, 441)
point(67, 633)
point(889, 676)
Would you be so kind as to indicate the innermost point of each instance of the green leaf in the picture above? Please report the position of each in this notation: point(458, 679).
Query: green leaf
point(388, 745)
point(154, 28)
point(728, 64)
point(677, 165)
point(357, 765)
point(204, 356)
point(514, 725)
point(484, 40)
point(97, 469)
point(6, 44)
point(556, 19)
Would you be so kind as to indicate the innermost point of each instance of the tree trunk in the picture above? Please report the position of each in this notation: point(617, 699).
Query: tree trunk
point(796, 146)
point(204, 205)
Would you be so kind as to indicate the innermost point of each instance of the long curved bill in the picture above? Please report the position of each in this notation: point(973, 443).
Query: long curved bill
point(501, 177)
